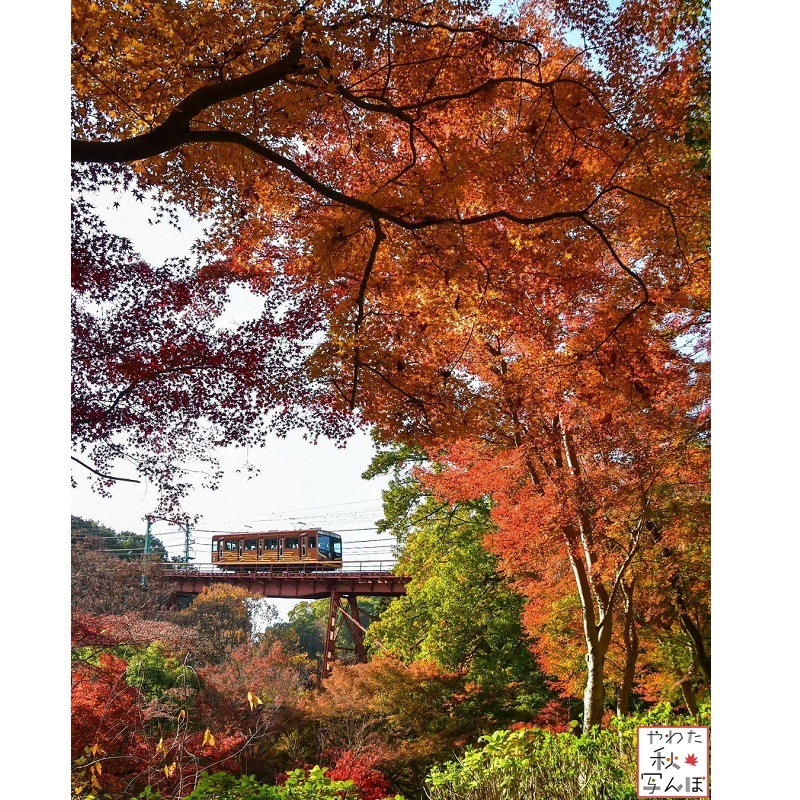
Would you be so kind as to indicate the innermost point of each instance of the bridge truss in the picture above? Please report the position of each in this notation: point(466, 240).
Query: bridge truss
point(343, 589)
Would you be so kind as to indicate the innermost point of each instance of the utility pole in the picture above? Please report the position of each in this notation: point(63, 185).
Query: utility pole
point(188, 542)
point(147, 546)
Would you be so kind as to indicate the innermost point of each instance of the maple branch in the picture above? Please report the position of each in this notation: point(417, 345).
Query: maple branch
point(410, 397)
point(684, 617)
point(612, 333)
point(379, 237)
point(362, 291)
point(102, 474)
point(456, 29)
point(490, 83)
point(584, 521)
point(175, 130)
point(234, 137)
point(601, 233)
point(590, 627)
point(383, 107)
point(647, 199)
point(623, 568)
point(691, 629)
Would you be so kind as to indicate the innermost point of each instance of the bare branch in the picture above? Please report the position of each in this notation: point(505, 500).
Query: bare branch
point(102, 474)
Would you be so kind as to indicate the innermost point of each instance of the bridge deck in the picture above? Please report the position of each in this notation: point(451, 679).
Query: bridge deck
point(297, 585)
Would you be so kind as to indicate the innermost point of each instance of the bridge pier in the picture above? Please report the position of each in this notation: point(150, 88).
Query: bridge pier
point(343, 611)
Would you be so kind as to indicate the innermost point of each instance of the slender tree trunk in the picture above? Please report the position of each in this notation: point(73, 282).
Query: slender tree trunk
point(631, 640)
point(689, 696)
point(702, 656)
point(594, 696)
point(595, 602)
point(693, 632)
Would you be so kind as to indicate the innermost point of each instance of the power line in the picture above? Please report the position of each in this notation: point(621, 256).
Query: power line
point(304, 509)
point(248, 533)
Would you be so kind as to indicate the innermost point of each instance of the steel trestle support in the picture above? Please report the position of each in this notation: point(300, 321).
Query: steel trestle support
point(343, 611)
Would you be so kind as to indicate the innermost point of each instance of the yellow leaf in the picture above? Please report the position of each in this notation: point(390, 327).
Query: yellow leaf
point(160, 745)
point(182, 715)
point(254, 700)
point(208, 739)
point(99, 768)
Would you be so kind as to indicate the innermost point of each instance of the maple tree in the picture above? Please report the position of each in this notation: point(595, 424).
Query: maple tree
point(221, 615)
point(158, 382)
point(339, 149)
point(370, 782)
point(253, 690)
point(133, 708)
point(102, 583)
point(467, 231)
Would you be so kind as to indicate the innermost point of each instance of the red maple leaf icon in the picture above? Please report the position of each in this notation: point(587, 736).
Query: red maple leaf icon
point(691, 760)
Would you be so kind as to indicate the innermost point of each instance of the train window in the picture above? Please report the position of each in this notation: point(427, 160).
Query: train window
point(231, 545)
point(337, 547)
point(324, 543)
point(270, 544)
point(250, 544)
point(312, 542)
point(292, 543)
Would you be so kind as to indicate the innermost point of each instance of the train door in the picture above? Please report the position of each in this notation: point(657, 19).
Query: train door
point(280, 547)
point(241, 548)
point(302, 546)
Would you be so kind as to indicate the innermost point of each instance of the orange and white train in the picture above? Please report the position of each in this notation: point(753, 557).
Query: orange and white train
point(301, 550)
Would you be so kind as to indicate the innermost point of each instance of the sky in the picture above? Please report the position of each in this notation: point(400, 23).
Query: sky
point(298, 484)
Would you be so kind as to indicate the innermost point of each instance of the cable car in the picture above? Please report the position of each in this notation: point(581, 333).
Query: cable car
point(301, 550)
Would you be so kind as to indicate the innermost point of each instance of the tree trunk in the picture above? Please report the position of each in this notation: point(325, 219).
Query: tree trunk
point(631, 640)
point(595, 601)
point(693, 632)
point(689, 696)
point(594, 697)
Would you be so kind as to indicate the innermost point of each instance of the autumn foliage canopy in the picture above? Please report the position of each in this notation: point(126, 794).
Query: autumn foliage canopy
point(483, 234)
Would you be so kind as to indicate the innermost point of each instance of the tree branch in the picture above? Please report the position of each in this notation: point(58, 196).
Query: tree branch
point(175, 130)
point(102, 474)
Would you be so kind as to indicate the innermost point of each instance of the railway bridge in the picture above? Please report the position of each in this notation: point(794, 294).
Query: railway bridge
point(343, 588)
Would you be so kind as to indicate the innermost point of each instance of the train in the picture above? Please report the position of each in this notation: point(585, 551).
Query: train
point(308, 550)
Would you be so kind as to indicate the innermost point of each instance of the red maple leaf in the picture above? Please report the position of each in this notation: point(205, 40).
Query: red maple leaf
point(691, 760)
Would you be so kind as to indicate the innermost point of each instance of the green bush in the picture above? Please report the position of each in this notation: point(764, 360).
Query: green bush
point(300, 785)
point(532, 764)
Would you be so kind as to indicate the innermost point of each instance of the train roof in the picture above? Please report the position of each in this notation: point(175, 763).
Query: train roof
point(296, 532)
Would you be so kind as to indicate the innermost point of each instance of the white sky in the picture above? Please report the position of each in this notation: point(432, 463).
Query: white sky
point(299, 484)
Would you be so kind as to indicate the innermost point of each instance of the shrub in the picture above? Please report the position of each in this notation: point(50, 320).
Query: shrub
point(299, 785)
point(534, 764)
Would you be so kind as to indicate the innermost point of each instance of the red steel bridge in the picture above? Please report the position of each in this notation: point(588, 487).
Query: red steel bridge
point(343, 588)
